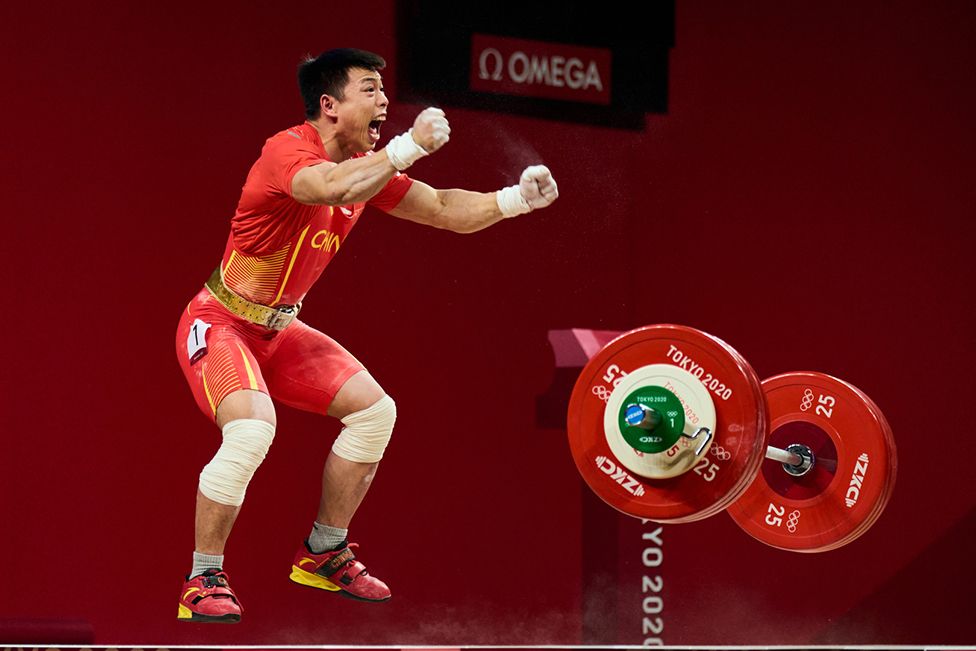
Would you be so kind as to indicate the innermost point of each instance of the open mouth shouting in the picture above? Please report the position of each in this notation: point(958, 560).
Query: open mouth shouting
point(374, 128)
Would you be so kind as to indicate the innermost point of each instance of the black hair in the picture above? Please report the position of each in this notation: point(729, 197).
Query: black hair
point(328, 73)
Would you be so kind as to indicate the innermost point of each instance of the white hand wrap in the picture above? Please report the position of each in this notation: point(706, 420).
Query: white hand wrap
point(511, 203)
point(536, 189)
point(403, 151)
point(367, 433)
point(246, 441)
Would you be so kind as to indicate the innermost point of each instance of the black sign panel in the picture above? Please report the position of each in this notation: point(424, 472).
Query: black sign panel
point(596, 64)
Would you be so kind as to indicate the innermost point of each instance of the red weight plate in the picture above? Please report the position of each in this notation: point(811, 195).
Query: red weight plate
point(747, 478)
point(852, 478)
point(893, 458)
point(734, 456)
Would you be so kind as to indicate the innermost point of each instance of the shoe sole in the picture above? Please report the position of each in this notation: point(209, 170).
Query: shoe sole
point(302, 577)
point(187, 615)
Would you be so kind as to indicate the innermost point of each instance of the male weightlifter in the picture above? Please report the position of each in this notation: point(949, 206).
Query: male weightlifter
point(240, 343)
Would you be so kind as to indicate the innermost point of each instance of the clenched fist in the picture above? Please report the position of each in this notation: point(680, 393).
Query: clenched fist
point(429, 133)
point(431, 130)
point(537, 186)
point(536, 189)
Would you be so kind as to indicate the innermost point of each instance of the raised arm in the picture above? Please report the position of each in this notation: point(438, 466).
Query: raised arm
point(463, 211)
point(359, 179)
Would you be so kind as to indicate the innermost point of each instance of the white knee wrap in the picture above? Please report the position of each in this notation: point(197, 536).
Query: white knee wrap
point(367, 433)
point(246, 441)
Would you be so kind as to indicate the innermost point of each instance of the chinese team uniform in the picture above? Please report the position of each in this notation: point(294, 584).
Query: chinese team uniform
point(276, 250)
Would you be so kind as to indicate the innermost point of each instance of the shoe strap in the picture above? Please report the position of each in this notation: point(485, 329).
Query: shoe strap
point(216, 580)
point(215, 586)
point(337, 562)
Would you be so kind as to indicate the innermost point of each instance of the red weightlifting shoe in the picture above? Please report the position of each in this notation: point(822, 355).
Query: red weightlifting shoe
point(337, 571)
point(208, 598)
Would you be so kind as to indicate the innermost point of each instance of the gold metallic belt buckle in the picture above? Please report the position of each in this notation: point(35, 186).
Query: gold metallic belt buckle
point(281, 317)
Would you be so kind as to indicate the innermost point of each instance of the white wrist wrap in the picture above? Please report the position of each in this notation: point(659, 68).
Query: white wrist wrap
point(403, 151)
point(246, 441)
point(367, 433)
point(511, 202)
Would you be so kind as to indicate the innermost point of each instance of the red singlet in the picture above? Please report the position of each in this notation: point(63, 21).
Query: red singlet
point(276, 251)
point(278, 247)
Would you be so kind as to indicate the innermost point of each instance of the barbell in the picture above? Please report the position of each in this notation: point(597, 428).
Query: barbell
point(671, 424)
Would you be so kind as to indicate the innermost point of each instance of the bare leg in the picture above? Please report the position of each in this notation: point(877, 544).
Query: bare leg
point(214, 521)
point(213, 524)
point(345, 483)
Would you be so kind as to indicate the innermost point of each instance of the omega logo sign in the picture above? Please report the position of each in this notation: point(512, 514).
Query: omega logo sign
point(549, 70)
point(540, 69)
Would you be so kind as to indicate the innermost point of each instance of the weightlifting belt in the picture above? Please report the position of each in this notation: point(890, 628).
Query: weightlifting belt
point(274, 318)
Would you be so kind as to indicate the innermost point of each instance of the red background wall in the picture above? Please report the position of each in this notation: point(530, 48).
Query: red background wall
point(810, 194)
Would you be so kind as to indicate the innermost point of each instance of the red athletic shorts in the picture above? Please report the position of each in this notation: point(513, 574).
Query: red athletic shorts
point(220, 353)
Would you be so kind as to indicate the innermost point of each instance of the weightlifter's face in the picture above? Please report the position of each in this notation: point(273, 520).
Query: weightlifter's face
point(362, 110)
